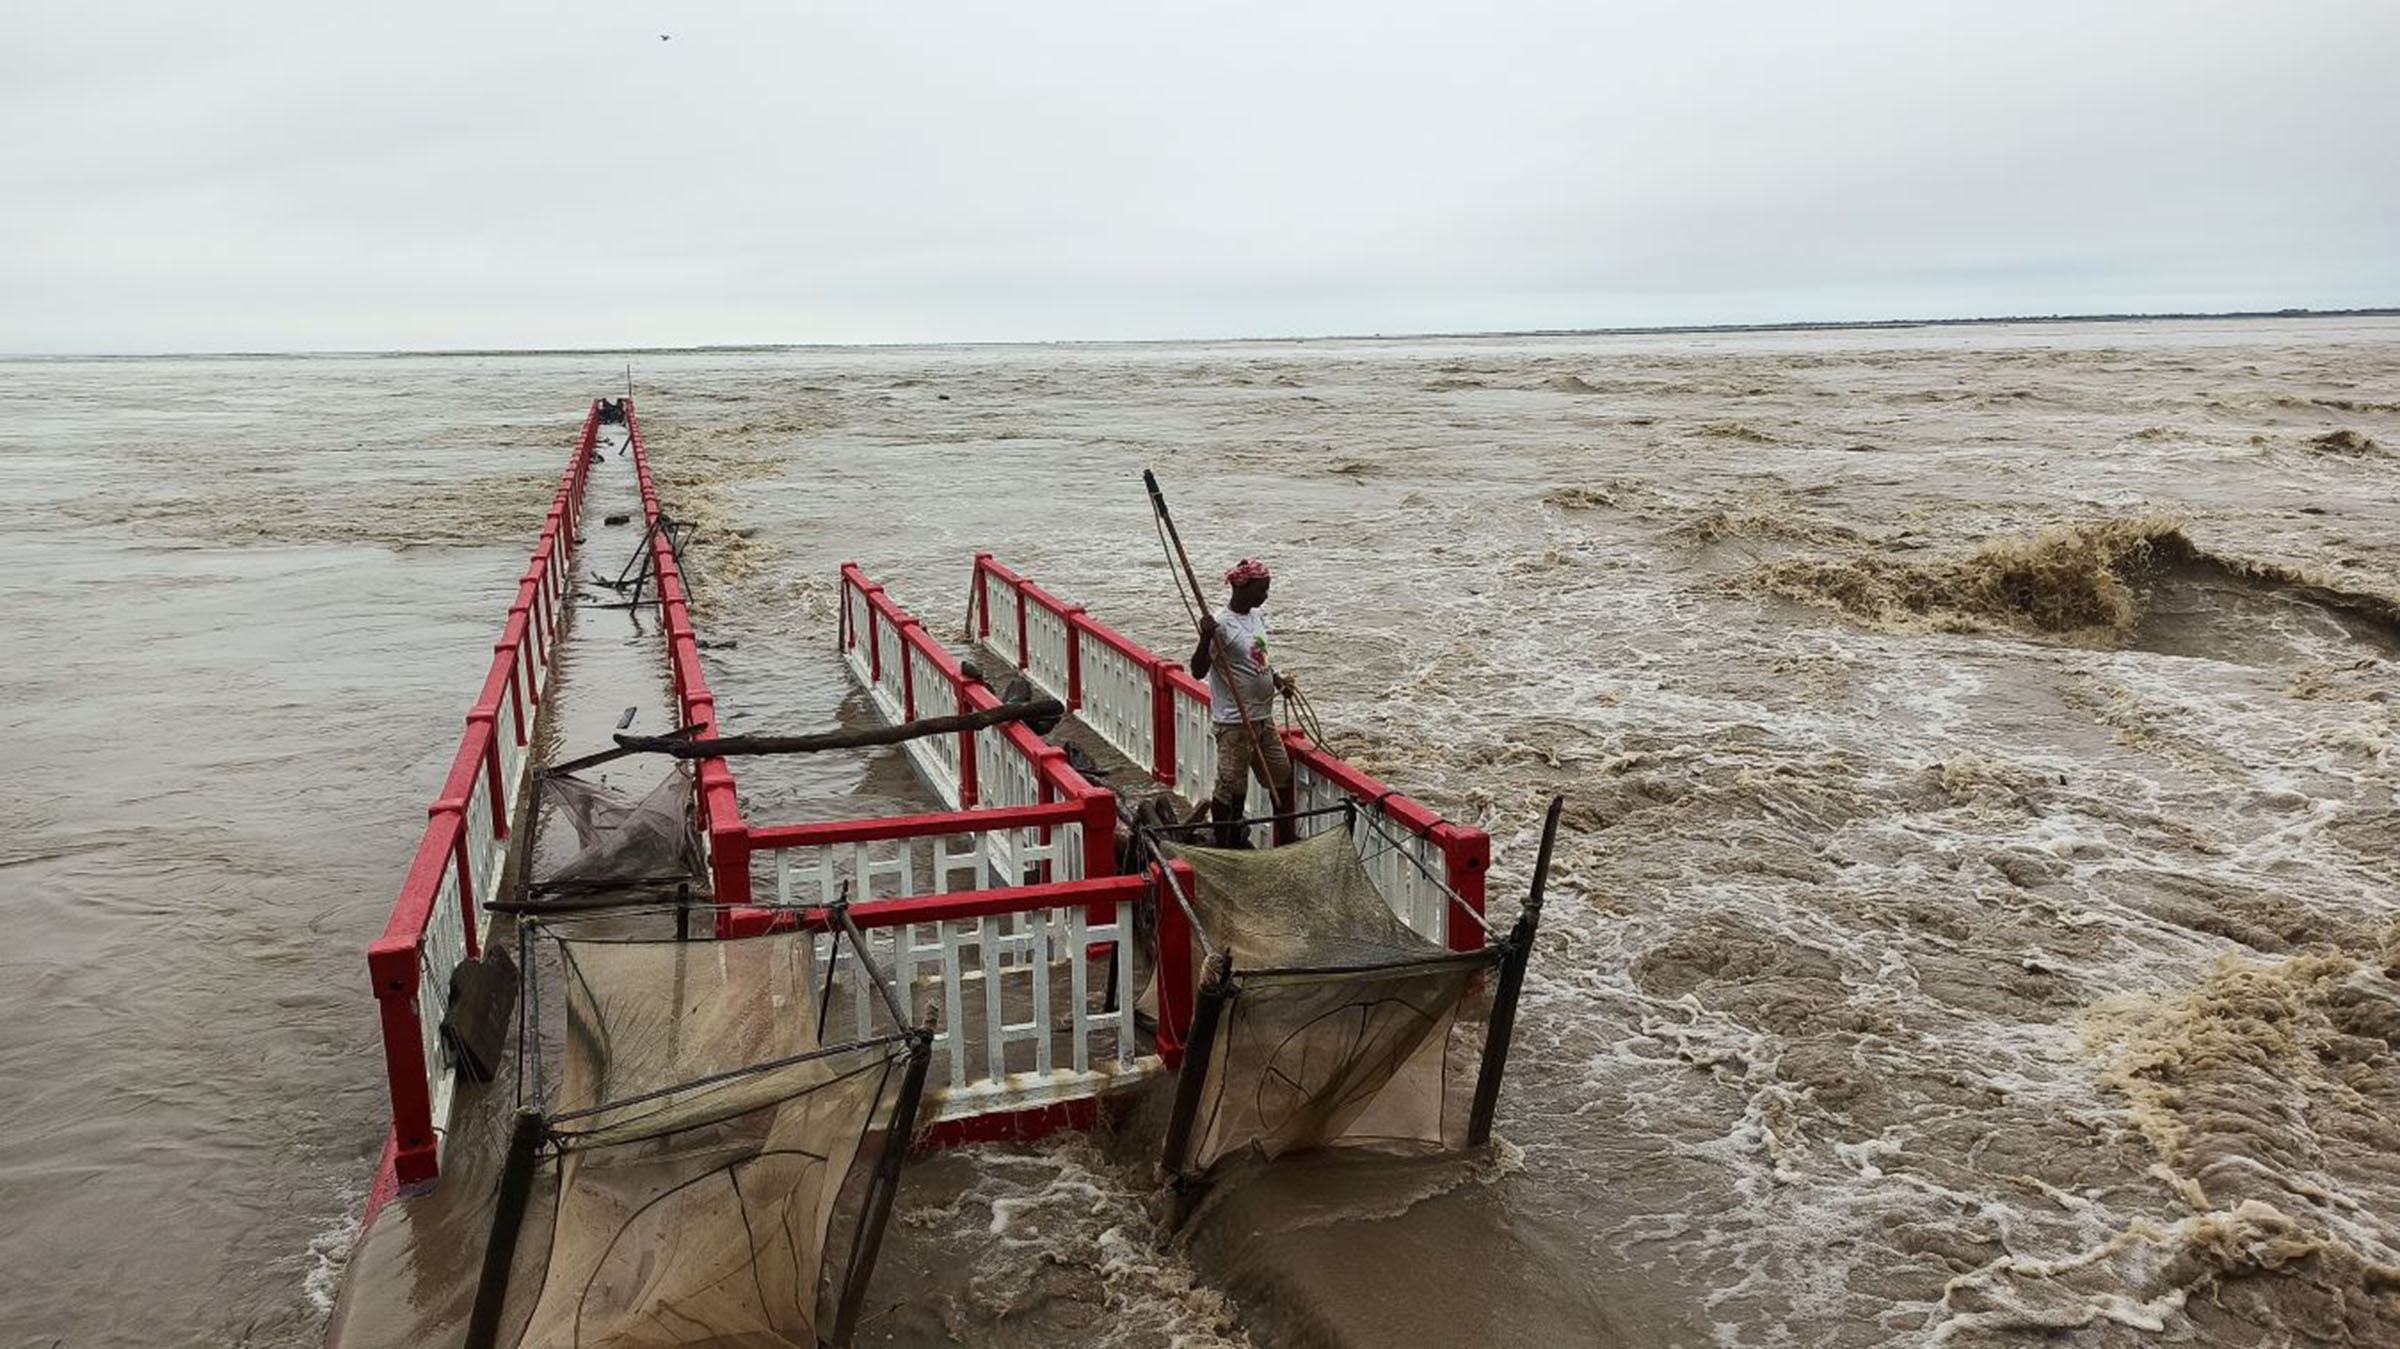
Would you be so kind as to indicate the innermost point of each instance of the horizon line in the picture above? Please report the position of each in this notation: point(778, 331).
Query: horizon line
point(1666, 329)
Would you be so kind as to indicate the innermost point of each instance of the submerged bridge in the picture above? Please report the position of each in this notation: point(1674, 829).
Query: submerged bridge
point(1000, 939)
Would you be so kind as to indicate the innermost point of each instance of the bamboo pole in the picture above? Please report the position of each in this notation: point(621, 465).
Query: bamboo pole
point(735, 746)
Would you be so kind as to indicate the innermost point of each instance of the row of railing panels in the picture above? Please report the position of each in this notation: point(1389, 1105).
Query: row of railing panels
point(437, 921)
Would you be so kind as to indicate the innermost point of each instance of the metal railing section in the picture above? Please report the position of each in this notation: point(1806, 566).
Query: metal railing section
point(1404, 864)
point(930, 693)
point(909, 676)
point(1117, 692)
point(724, 838)
point(1030, 987)
point(436, 921)
point(1050, 648)
point(907, 856)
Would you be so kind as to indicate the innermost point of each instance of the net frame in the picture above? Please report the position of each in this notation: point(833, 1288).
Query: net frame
point(853, 1207)
point(1226, 1023)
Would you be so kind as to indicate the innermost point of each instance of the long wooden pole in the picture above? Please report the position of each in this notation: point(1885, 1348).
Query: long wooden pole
point(732, 746)
point(1258, 752)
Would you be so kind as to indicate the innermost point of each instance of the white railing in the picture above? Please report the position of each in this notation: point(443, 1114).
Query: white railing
point(444, 946)
point(1019, 978)
point(873, 869)
point(891, 646)
point(970, 856)
point(1118, 702)
point(1196, 756)
point(1005, 778)
point(936, 757)
point(859, 613)
point(996, 602)
point(1046, 655)
point(1019, 1000)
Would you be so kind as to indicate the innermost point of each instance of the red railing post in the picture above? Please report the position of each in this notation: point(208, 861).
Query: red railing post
point(1467, 854)
point(1162, 719)
point(1024, 649)
point(969, 787)
point(456, 809)
point(979, 596)
point(1175, 979)
point(1099, 833)
point(729, 868)
point(1074, 658)
point(1099, 840)
point(393, 969)
point(489, 720)
point(908, 673)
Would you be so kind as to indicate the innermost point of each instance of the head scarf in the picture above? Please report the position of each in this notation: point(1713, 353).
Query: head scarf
point(1246, 570)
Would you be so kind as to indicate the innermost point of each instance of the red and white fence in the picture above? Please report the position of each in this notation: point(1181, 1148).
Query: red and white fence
point(724, 838)
point(437, 920)
point(1016, 981)
point(1109, 680)
point(910, 676)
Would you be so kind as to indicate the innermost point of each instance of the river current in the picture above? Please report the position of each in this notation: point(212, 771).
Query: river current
point(1976, 919)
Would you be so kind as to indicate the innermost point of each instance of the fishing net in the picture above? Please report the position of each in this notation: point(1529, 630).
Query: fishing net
point(716, 1163)
point(621, 837)
point(1340, 1023)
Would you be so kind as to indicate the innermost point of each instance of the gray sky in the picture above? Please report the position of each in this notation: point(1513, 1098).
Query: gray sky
point(211, 177)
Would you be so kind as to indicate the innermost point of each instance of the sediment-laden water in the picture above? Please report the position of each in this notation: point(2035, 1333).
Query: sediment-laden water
point(1977, 919)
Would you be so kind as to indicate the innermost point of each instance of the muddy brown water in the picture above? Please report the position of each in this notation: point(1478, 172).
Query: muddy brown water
point(1976, 922)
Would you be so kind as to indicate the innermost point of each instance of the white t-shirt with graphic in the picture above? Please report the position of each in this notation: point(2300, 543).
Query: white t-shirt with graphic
point(1242, 645)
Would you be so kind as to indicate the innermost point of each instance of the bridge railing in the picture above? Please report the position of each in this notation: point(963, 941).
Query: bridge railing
point(1030, 989)
point(910, 676)
point(437, 921)
point(724, 838)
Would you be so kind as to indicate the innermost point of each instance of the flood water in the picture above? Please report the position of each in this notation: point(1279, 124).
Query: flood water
point(1976, 920)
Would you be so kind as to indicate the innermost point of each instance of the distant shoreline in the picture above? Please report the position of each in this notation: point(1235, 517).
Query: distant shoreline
point(1661, 330)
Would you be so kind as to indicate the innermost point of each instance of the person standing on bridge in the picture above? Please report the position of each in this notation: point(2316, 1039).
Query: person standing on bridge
point(1232, 657)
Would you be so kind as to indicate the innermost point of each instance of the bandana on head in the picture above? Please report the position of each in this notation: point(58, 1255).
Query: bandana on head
point(1248, 569)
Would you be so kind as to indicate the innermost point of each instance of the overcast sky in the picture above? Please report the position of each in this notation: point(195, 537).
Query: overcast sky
point(335, 176)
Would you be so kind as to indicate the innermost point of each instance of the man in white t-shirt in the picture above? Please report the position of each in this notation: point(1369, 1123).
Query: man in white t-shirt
point(1232, 657)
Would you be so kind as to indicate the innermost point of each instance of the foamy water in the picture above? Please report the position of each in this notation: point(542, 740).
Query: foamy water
point(1976, 909)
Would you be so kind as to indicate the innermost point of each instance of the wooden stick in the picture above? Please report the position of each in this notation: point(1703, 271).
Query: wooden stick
point(611, 755)
point(733, 746)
